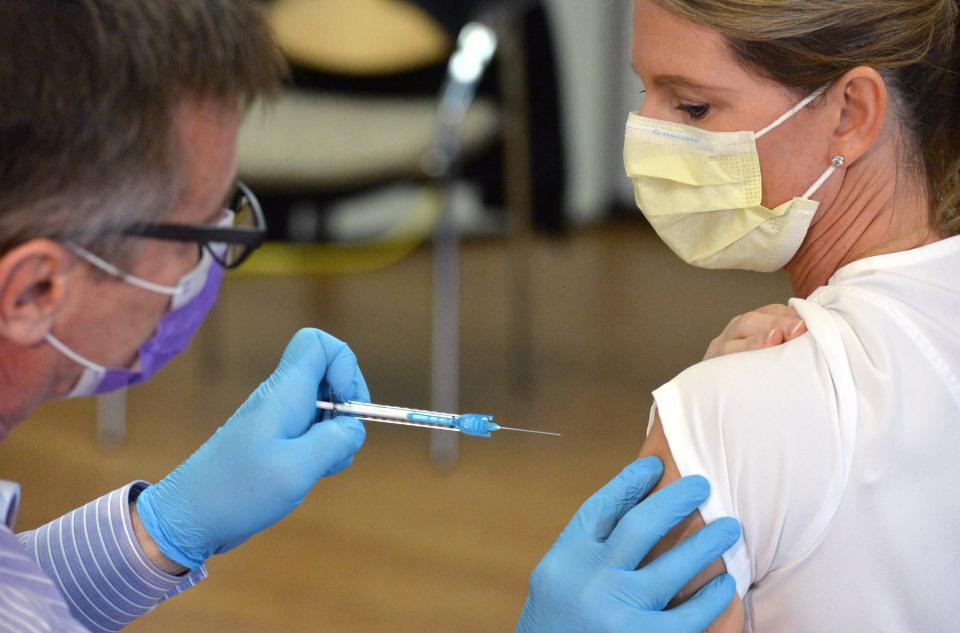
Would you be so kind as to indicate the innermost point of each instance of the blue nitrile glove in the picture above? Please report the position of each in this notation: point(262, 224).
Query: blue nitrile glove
point(589, 581)
point(260, 464)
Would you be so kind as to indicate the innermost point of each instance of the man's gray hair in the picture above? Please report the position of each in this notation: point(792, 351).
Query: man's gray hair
point(88, 92)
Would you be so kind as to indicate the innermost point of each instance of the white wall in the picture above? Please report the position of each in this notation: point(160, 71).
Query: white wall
point(598, 89)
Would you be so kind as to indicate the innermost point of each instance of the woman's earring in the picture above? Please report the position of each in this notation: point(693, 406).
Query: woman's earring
point(838, 161)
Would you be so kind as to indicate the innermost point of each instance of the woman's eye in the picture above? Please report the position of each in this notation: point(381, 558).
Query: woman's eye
point(694, 110)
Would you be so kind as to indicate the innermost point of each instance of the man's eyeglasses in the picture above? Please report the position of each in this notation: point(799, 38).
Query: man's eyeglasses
point(248, 232)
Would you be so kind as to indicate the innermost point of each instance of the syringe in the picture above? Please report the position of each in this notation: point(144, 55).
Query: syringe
point(467, 423)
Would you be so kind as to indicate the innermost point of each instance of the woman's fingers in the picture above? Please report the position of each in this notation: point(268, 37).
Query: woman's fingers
point(721, 347)
point(777, 309)
point(799, 328)
point(768, 326)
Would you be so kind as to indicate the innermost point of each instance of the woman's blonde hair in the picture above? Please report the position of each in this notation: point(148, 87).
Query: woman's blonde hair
point(806, 44)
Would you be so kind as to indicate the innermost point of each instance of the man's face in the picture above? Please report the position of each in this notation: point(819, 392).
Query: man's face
point(107, 320)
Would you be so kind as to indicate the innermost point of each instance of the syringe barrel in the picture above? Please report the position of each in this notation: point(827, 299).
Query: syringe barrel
point(431, 418)
point(365, 410)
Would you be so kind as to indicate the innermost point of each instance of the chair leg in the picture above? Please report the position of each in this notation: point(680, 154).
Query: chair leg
point(445, 365)
point(518, 191)
point(112, 418)
point(476, 47)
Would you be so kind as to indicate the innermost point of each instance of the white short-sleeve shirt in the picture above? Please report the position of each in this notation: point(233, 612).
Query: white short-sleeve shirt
point(839, 452)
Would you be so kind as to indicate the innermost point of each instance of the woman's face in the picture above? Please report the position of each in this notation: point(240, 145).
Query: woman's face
point(692, 77)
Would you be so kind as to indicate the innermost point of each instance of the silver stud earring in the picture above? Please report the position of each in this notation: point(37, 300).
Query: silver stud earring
point(838, 161)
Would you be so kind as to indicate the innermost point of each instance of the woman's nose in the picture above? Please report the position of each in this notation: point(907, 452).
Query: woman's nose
point(653, 107)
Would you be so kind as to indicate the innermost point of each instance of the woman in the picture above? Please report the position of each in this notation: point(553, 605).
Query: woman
point(828, 448)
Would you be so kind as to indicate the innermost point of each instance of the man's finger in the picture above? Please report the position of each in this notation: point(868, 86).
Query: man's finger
point(599, 514)
point(672, 570)
point(343, 374)
point(329, 446)
point(312, 358)
point(643, 527)
point(699, 612)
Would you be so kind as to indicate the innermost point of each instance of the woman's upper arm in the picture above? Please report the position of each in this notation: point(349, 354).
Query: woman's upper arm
point(656, 445)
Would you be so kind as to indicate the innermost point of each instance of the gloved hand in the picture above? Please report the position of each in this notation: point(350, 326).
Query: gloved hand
point(259, 465)
point(589, 581)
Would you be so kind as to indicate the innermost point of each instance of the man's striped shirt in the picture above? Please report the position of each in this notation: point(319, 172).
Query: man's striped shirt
point(82, 572)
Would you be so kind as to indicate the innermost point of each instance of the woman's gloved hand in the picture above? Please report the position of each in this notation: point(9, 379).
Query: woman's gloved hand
point(589, 581)
point(768, 326)
point(260, 464)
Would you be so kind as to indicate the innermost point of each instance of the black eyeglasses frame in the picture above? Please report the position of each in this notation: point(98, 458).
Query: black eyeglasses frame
point(203, 235)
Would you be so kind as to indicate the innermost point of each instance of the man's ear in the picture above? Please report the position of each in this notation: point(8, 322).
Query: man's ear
point(863, 100)
point(33, 289)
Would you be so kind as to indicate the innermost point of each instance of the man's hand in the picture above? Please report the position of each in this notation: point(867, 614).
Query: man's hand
point(769, 326)
point(260, 464)
point(589, 581)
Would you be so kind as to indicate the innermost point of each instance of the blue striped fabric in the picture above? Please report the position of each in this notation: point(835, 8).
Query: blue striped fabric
point(82, 572)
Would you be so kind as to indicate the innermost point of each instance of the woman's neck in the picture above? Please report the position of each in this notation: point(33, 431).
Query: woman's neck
point(874, 213)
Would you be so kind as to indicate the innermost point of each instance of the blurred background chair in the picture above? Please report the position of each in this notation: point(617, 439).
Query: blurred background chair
point(359, 116)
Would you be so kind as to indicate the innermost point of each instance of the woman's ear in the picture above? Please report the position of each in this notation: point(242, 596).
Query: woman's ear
point(862, 97)
point(33, 289)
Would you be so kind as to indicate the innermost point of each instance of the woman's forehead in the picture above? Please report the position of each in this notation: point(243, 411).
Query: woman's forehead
point(671, 50)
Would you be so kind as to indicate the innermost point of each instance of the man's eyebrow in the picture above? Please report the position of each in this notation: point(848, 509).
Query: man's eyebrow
point(213, 217)
point(217, 213)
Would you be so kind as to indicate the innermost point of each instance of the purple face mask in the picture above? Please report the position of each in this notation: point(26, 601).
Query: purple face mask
point(191, 300)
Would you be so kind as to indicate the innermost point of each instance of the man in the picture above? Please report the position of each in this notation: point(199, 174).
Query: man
point(118, 129)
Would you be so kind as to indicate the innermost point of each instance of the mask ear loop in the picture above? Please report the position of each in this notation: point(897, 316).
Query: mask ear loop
point(72, 355)
point(837, 162)
point(789, 113)
point(110, 269)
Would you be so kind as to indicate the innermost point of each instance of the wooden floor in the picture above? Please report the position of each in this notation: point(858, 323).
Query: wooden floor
point(394, 544)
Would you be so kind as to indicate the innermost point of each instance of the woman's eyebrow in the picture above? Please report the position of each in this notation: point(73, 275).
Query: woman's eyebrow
point(685, 82)
point(679, 80)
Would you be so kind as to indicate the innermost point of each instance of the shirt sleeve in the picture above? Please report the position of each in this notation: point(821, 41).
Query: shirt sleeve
point(29, 601)
point(772, 431)
point(93, 557)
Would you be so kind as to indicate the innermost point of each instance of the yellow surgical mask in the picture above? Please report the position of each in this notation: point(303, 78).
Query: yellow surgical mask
point(701, 191)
